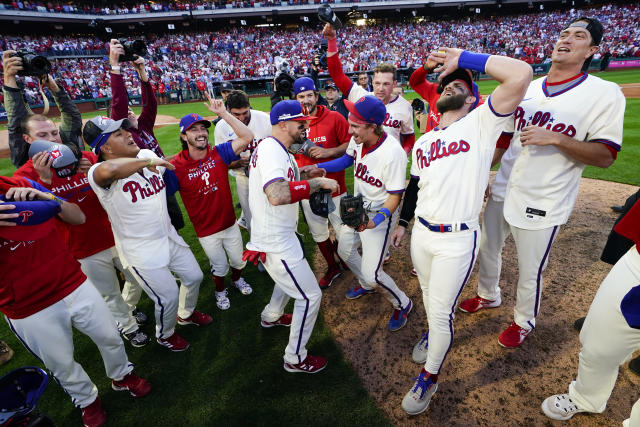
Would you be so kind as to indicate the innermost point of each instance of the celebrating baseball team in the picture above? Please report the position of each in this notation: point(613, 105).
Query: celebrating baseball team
point(92, 216)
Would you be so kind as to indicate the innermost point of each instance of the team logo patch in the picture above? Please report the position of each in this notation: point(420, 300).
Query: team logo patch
point(55, 153)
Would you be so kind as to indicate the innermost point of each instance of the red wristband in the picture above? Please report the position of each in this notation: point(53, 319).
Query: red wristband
point(299, 190)
point(332, 45)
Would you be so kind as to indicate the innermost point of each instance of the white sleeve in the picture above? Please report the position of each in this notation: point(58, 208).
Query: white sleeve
point(407, 124)
point(357, 92)
point(272, 163)
point(219, 133)
point(414, 171)
point(395, 174)
point(101, 192)
point(607, 121)
point(351, 148)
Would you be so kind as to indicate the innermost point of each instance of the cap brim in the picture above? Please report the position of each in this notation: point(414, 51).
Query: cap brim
point(301, 119)
point(118, 124)
point(353, 110)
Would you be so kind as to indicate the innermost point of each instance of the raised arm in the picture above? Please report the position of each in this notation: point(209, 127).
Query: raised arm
point(418, 82)
point(71, 125)
point(112, 170)
point(16, 107)
point(147, 118)
point(119, 103)
point(512, 75)
point(341, 80)
point(244, 136)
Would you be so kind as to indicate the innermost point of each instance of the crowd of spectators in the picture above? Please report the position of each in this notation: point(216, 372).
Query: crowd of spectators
point(184, 61)
point(128, 7)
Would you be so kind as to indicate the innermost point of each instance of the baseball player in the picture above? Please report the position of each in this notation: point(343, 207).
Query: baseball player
point(91, 243)
point(129, 184)
point(44, 293)
point(537, 184)
point(398, 120)
point(379, 168)
point(203, 180)
point(259, 124)
point(609, 336)
point(275, 188)
point(329, 131)
point(445, 238)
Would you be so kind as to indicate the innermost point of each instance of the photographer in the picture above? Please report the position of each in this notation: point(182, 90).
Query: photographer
point(142, 126)
point(25, 126)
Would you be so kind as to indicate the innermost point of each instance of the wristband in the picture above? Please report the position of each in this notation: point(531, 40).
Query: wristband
point(299, 190)
point(56, 199)
point(115, 68)
point(473, 61)
point(150, 162)
point(403, 222)
point(332, 45)
point(382, 215)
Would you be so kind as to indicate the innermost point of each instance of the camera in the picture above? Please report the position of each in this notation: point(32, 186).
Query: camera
point(32, 64)
point(418, 105)
point(284, 80)
point(132, 49)
point(321, 54)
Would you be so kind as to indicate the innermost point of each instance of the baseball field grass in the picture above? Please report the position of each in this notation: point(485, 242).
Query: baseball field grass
point(232, 374)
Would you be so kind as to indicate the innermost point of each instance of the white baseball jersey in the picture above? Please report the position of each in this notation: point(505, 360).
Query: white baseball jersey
point(539, 184)
point(272, 227)
point(453, 166)
point(399, 118)
point(378, 171)
point(260, 125)
point(137, 210)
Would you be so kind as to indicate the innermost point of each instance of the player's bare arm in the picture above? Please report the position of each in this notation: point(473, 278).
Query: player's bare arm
point(244, 136)
point(69, 212)
point(278, 192)
point(497, 156)
point(115, 50)
point(311, 171)
point(513, 75)
point(4, 216)
point(589, 153)
point(112, 170)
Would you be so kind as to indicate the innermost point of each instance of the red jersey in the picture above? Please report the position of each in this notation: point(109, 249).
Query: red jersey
point(36, 274)
point(629, 225)
point(204, 187)
point(329, 129)
point(429, 92)
point(95, 234)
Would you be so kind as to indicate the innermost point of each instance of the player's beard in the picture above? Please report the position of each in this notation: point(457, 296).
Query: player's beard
point(450, 103)
point(195, 145)
point(310, 106)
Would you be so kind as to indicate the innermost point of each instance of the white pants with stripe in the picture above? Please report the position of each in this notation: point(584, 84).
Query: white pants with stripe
point(48, 334)
point(100, 269)
point(533, 247)
point(443, 262)
point(218, 246)
point(318, 225)
point(368, 267)
point(607, 339)
point(242, 189)
point(160, 285)
point(293, 279)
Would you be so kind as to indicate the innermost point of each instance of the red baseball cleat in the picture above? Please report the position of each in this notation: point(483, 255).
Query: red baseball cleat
point(196, 318)
point(174, 343)
point(513, 336)
point(476, 303)
point(329, 277)
point(310, 365)
point(137, 386)
point(284, 320)
point(93, 415)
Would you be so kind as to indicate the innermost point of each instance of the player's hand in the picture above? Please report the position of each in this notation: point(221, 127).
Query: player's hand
point(254, 256)
point(11, 64)
point(22, 194)
point(328, 32)
point(447, 57)
point(4, 216)
point(215, 105)
point(366, 226)
point(84, 165)
point(429, 64)
point(159, 162)
point(115, 50)
point(397, 236)
point(535, 135)
point(312, 171)
point(319, 153)
point(42, 162)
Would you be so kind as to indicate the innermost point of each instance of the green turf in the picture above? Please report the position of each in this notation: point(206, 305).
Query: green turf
point(232, 374)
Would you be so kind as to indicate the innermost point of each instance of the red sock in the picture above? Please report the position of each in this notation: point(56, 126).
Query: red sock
point(326, 248)
point(434, 377)
point(235, 274)
point(219, 283)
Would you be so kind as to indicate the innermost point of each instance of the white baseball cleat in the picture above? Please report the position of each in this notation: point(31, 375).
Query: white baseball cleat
point(243, 286)
point(560, 407)
point(417, 400)
point(222, 300)
point(420, 349)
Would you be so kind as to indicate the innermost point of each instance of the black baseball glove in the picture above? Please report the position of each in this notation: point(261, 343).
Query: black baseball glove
point(352, 212)
point(321, 203)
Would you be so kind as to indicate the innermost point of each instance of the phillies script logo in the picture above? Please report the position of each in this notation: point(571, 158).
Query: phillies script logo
point(362, 173)
point(25, 215)
point(136, 190)
point(543, 120)
point(391, 123)
point(440, 149)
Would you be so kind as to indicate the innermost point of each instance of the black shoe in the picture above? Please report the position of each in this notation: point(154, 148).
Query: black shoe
point(137, 338)
point(617, 209)
point(577, 325)
point(140, 317)
point(634, 365)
